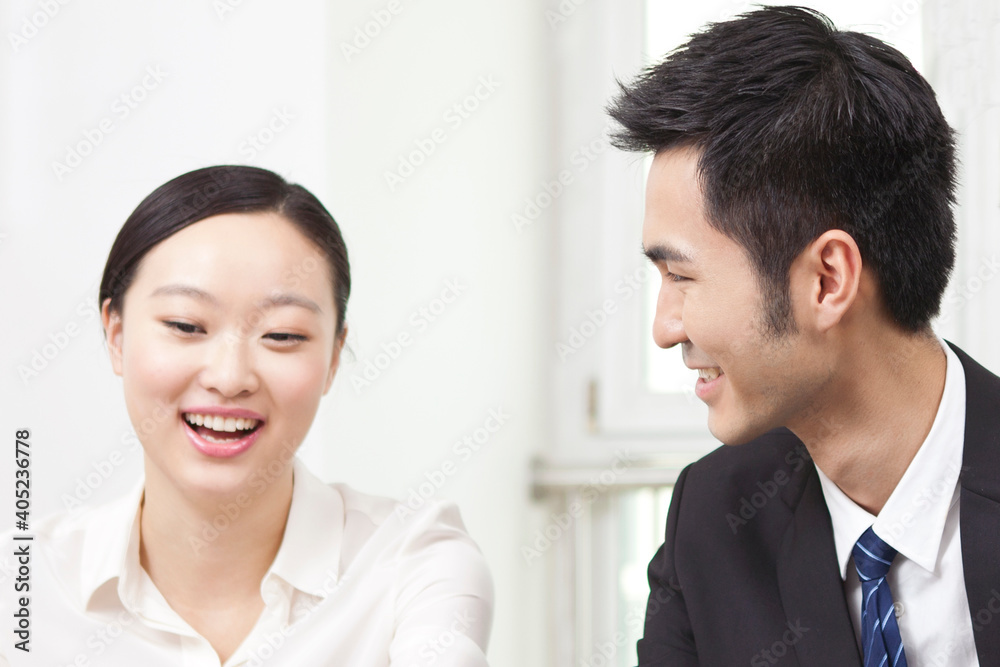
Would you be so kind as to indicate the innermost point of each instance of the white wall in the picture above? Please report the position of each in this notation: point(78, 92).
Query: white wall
point(963, 65)
point(449, 220)
point(223, 75)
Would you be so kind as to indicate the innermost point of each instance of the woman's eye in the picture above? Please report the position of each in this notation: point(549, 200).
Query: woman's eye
point(182, 327)
point(285, 337)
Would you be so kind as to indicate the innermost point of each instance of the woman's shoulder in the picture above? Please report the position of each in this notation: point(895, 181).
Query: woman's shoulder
point(382, 509)
point(69, 552)
point(62, 528)
point(426, 545)
point(389, 529)
point(417, 562)
point(397, 520)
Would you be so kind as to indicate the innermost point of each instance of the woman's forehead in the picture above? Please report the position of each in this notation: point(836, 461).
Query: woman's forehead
point(256, 255)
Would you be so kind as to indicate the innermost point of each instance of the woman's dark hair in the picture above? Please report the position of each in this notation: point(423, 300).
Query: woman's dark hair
point(803, 128)
point(211, 191)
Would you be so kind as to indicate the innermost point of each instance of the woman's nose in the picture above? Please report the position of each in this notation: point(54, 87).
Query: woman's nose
point(229, 367)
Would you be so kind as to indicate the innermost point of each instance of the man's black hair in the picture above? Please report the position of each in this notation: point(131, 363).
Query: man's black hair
point(803, 128)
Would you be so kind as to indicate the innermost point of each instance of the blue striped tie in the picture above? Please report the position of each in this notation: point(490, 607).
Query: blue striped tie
point(879, 631)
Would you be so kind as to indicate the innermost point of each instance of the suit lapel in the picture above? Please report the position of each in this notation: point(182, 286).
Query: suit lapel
point(809, 580)
point(979, 508)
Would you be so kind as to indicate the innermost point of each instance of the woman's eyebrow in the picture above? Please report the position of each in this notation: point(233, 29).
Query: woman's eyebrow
point(289, 299)
point(273, 301)
point(185, 290)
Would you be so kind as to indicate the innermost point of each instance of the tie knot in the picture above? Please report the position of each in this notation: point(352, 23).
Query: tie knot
point(872, 556)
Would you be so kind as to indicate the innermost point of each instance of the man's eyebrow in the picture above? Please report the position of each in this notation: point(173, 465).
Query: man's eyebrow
point(273, 301)
point(665, 253)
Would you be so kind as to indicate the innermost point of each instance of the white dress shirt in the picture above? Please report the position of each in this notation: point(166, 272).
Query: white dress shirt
point(358, 580)
point(920, 521)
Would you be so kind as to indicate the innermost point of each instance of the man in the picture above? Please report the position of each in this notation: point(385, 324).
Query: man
point(799, 210)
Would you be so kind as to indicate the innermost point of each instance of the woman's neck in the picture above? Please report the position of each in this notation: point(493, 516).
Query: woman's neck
point(207, 554)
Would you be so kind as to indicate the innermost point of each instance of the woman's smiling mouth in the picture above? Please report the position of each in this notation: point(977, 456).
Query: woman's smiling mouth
point(221, 433)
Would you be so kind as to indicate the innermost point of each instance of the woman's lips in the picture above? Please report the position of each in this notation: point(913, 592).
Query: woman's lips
point(224, 445)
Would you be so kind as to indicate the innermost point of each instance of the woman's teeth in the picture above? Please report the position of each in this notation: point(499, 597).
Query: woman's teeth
point(709, 374)
point(222, 424)
point(214, 439)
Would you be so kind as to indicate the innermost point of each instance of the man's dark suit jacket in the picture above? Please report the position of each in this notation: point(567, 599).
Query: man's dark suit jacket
point(748, 574)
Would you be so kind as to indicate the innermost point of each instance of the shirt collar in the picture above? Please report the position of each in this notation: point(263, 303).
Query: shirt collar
point(308, 558)
point(111, 544)
point(913, 518)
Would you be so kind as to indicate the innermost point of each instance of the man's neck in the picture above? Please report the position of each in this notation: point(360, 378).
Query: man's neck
point(874, 419)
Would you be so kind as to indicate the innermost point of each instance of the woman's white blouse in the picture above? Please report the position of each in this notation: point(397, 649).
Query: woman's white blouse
point(358, 580)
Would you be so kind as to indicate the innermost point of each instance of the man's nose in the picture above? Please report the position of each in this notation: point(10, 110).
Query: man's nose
point(668, 323)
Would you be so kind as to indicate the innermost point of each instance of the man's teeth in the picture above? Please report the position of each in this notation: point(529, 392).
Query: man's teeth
point(229, 424)
point(709, 373)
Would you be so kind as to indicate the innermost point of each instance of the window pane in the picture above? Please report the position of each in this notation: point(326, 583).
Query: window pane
point(644, 515)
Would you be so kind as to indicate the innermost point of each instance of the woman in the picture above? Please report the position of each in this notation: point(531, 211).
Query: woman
point(223, 304)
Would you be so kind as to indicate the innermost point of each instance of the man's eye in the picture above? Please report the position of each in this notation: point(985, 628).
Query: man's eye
point(673, 277)
point(182, 327)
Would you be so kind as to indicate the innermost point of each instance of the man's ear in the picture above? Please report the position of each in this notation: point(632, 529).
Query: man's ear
point(112, 321)
point(830, 267)
point(338, 347)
